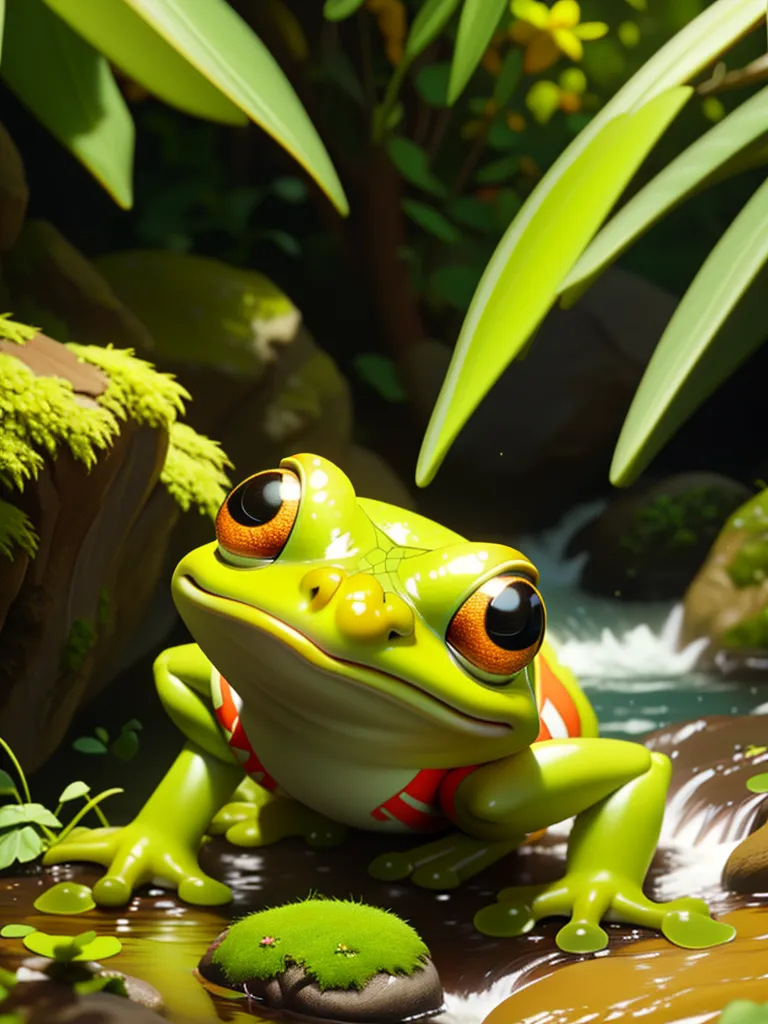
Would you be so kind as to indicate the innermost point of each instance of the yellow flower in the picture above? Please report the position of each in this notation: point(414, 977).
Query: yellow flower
point(546, 32)
point(393, 24)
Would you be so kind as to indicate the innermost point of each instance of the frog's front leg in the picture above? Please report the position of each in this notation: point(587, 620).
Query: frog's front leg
point(617, 791)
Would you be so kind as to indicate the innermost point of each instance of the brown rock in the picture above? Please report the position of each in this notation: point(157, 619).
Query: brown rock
point(386, 999)
point(14, 193)
point(46, 1002)
point(746, 870)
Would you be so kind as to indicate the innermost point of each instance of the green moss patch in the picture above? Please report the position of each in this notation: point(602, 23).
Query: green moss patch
point(339, 943)
point(750, 632)
point(16, 531)
point(41, 414)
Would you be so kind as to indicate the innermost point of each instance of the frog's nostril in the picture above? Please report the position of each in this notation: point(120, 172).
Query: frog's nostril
point(313, 592)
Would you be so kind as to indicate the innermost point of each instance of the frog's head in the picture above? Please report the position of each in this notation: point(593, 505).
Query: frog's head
point(365, 627)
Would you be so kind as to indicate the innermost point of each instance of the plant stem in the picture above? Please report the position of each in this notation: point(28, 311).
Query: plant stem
point(442, 122)
point(91, 805)
point(381, 114)
point(17, 766)
point(366, 56)
point(472, 159)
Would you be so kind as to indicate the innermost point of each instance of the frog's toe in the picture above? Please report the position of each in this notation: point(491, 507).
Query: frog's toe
point(391, 867)
point(246, 833)
point(505, 920)
point(203, 891)
point(112, 891)
point(581, 937)
point(96, 845)
point(229, 815)
point(431, 877)
point(692, 930)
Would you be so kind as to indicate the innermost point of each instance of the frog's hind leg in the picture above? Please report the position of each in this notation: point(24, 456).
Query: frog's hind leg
point(256, 817)
point(444, 863)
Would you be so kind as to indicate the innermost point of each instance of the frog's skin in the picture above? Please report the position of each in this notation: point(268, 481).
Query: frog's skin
point(355, 680)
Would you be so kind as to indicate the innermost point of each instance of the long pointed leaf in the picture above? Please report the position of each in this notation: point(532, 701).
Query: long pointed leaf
point(212, 37)
point(668, 189)
point(695, 354)
point(479, 20)
point(2, 23)
point(526, 283)
point(432, 17)
point(68, 86)
point(692, 49)
point(118, 32)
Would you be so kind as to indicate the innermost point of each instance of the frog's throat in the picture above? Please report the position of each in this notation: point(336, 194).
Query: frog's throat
point(386, 684)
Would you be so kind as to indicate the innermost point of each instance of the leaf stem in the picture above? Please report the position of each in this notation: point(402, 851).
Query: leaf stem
point(19, 772)
point(91, 805)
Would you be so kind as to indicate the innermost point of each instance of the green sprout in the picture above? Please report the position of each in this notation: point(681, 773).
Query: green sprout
point(124, 747)
point(28, 829)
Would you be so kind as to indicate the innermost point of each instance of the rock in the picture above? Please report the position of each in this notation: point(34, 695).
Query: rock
point(14, 193)
point(385, 999)
point(543, 438)
point(45, 1002)
point(746, 870)
point(102, 534)
point(61, 974)
point(727, 601)
point(650, 542)
point(55, 287)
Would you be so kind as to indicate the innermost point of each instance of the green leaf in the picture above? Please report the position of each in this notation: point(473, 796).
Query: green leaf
point(134, 723)
point(758, 783)
point(338, 10)
point(16, 931)
point(20, 814)
point(520, 284)
point(285, 242)
point(102, 733)
point(2, 23)
point(76, 98)
point(455, 285)
point(20, 844)
point(472, 213)
point(381, 374)
point(509, 78)
point(126, 746)
point(215, 39)
point(340, 71)
point(432, 84)
point(498, 170)
point(89, 745)
point(695, 355)
point(60, 946)
point(431, 220)
point(669, 188)
point(430, 21)
point(479, 20)
point(73, 791)
point(692, 49)
point(412, 162)
point(7, 785)
point(117, 32)
point(743, 1011)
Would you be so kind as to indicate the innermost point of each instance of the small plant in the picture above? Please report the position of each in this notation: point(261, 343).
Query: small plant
point(340, 943)
point(28, 829)
point(125, 747)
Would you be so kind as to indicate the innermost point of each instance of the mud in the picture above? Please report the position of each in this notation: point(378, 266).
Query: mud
point(709, 811)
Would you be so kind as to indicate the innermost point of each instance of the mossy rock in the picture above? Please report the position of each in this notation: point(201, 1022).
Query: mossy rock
point(328, 958)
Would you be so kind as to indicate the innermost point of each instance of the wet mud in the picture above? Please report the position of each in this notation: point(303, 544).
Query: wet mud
point(515, 980)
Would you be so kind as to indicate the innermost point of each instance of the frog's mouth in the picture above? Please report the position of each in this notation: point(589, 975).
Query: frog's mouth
point(384, 683)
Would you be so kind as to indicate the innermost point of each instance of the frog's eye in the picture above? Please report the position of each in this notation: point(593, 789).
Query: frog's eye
point(257, 518)
point(500, 628)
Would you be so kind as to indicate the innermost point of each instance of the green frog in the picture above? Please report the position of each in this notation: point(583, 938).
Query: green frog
point(357, 665)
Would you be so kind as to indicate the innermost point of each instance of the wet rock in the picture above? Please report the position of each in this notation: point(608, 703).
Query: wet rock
point(385, 999)
point(649, 543)
point(69, 974)
point(727, 601)
point(13, 191)
point(46, 1002)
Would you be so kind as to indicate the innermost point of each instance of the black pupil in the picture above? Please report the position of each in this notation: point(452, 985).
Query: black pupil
point(257, 501)
point(514, 619)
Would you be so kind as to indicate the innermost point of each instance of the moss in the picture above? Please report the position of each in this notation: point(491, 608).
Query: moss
point(103, 610)
point(39, 415)
point(16, 531)
point(750, 632)
point(194, 470)
point(341, 944)
point(675, 524)
point(12, 330)
point(80, 642)
point(749, 567)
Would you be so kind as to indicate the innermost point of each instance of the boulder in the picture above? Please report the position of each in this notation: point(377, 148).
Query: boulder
point(727, 602)
point(88, 500)
point(650, 542)
point(14, 194)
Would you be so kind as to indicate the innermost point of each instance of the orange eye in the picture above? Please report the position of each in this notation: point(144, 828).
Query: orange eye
point(500, 628)
point(257, 518)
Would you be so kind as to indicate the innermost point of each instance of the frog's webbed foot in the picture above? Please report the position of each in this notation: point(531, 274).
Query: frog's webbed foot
point(136, 855)
point(587, 900)
point(444, 863)
point(269, 818)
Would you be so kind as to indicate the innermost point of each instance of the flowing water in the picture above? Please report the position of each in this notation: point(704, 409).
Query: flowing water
point(626, 654)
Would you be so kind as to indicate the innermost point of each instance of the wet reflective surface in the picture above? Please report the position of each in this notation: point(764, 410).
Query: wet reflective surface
point(709, 811)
